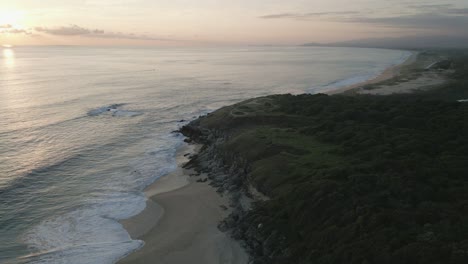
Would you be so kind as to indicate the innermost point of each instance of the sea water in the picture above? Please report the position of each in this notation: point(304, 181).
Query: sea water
point(84, 130)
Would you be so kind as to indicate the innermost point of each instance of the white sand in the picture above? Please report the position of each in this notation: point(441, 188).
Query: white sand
point(180, 222)
point(386, 75)
point(425, 82)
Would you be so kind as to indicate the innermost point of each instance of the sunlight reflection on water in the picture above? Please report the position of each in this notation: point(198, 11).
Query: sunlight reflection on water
point(8, 58)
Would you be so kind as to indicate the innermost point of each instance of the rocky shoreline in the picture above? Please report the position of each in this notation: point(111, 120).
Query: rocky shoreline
point(341, 178)
point(229, 174)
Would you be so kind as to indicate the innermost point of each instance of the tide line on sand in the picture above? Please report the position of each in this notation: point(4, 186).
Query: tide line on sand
point(385, 75)
point(179, 224)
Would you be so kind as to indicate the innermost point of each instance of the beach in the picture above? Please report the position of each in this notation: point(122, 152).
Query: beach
point(85, 145)
point(387, 74)
point(412, 75)
point(179, 224)
point(227, 132)
point(343, 173)
point(180, 221)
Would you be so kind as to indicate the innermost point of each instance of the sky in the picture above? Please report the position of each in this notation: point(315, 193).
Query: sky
point(224, 22)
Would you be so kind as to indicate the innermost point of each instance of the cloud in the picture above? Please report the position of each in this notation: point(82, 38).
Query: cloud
point(458, 11)
point(439, 9)
point(72, 30)
point(276, 16)
point(429, 17)
point(9, 29)
point(430, 21)
point(119, 35)
point(426, 7)
point(78, 31)
point(306, 16)
point(18, 31)
point(75, 30)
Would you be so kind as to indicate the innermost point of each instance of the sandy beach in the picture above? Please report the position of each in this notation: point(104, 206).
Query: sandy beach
point(385, 75)
point(179, 224)
point(410, 76)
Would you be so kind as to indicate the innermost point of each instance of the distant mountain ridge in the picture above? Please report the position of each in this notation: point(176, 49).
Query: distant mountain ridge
point(409, 42)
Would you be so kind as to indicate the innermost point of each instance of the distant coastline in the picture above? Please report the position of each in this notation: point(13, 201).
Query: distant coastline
point(290, 154)
point(126, 114)
point(437, 42)
point(388, 73)
point(178, 190)
point(185, 189)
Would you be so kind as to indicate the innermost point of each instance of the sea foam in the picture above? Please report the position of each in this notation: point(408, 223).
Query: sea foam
point(87, 235)
point(67, 212)
point(92, 233)
point(114, 110)
point(362, 77)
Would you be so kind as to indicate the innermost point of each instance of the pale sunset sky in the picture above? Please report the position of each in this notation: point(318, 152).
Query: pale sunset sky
point(223, 22)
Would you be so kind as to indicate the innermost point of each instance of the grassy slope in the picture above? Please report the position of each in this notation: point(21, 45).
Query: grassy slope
point(357, 179)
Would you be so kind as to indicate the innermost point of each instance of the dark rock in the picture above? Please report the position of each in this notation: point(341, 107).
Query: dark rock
point(222, 226)
point(192, 163)
point(228, 174)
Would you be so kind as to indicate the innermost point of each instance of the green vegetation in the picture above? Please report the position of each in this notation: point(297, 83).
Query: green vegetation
point(402, 195)
point(412, 70)
point(279, 156)
point(456, 89)
point(353, 179)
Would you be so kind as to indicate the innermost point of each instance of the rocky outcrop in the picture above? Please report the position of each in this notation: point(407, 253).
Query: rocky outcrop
point(229, 174)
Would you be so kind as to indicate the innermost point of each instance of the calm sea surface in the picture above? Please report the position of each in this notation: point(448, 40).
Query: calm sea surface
point(84, 130)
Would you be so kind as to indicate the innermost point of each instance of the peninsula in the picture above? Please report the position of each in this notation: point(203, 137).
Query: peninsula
point(354, 177)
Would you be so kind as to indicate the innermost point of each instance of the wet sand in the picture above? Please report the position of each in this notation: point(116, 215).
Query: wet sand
point(179, 224)
point(386, 75)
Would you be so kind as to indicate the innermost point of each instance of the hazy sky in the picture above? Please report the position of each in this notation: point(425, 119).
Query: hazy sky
point(223, 22)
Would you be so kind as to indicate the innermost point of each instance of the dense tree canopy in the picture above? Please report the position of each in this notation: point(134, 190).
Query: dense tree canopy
point(354, 179)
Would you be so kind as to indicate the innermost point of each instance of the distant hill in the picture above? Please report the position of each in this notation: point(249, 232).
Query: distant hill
point(409, 42)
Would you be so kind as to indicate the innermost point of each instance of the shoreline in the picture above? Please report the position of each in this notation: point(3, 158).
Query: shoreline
point(167, 237)
point(180, 221)
point(142, 223)
point(387, 74)
point(286, 147)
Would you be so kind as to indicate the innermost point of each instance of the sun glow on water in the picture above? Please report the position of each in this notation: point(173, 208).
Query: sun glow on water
point(8, 53)
point(8, 57)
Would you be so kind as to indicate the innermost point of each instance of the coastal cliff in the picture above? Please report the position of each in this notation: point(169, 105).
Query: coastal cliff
point(342, 179)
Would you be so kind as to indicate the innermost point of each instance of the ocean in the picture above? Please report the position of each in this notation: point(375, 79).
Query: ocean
point(84, 130)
